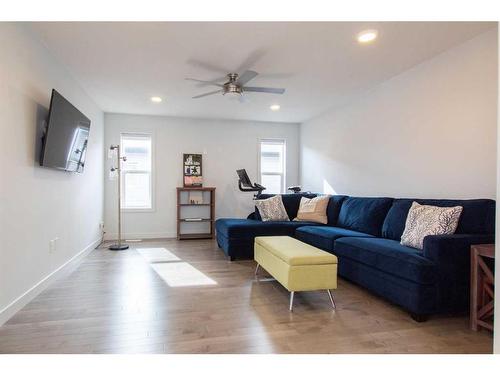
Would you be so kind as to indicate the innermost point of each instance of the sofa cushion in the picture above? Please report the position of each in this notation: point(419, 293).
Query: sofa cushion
point(290, 201)
point(424, 220)
point(244, 228)
point(313, 209)
point(478, 216)
point(388, 256)
point(323, 236)
point(333, 209)
point(364, 215)
point(272, 209)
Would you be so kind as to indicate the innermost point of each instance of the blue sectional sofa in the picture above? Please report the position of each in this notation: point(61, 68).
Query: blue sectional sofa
point(365, 234)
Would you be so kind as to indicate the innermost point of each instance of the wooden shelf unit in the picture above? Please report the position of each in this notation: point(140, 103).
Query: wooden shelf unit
point(194, 221)
point(193, 236)
point(210, 220)
point(194, 204)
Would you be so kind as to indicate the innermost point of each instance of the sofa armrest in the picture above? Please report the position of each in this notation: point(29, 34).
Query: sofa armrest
point(451, 254)
point(453, 249)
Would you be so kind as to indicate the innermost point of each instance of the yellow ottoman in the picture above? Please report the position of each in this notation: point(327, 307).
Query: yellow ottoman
point(296, 265)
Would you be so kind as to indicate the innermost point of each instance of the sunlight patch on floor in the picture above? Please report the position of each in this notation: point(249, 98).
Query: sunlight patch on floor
point(157, 254)
point(181, 274)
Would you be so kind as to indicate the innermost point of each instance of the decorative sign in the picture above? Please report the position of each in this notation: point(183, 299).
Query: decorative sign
point(192, 170)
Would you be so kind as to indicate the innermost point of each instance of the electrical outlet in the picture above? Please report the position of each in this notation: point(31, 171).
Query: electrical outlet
point(101, 225)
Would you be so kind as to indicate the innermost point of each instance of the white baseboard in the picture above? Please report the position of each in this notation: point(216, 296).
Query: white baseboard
point(21, 301)
point(140, 236)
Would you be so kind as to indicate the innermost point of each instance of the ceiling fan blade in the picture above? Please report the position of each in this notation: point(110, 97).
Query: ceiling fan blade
point(269, 90)
point(246, 77)
point(208, 66)
point(206, 94)
point(251, 60)
point(220, 79)
point(274, 75)
point(205, 82)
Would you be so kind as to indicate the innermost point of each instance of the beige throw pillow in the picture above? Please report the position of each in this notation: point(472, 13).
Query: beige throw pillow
point(313, 209)
point(423, 220)
point(272, 209)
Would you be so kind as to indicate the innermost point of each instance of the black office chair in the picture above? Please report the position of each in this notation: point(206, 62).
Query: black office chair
point(246, 185)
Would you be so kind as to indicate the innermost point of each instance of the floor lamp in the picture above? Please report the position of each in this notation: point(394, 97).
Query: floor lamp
point(118, 169)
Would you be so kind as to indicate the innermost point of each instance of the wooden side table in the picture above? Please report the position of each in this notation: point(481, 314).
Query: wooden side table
point(482, 283)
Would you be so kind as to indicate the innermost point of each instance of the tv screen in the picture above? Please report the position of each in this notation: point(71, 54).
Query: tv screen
point(65, 141)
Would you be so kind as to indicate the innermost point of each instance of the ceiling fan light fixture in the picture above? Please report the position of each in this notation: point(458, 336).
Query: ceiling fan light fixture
point(156, 99)
point(232, 94)
point(367, 36)
point(275, 107)
point(232, 90)
point(236, 86)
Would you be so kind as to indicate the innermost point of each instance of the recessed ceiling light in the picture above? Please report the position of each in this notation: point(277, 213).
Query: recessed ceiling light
point(156, 99)
point(275, 107)
point(367, 36)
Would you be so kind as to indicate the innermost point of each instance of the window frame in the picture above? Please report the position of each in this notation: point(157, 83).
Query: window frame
point(259, 156)
point(151, 172)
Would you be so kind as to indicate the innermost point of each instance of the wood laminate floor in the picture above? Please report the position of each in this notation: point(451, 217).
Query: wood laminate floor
point(115, 302)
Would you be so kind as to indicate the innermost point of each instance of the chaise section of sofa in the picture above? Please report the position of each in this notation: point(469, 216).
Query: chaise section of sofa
point(236, 236)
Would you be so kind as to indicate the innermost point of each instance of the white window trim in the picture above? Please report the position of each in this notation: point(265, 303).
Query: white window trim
point(152, 185)
point(283, 175)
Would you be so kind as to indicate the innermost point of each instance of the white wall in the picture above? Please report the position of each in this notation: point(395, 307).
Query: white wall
point(429, 132)
point(39, 204)
point(226, 146)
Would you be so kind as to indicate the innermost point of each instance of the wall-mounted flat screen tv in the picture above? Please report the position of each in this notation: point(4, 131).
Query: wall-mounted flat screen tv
point(65, 141)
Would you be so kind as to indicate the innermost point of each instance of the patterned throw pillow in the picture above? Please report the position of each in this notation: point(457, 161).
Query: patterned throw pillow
point(313, 209)
point(425, 221)
point(272, 209)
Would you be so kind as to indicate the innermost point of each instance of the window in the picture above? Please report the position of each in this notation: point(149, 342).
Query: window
point(137, 190)
point(272, 165)
point(76, 158)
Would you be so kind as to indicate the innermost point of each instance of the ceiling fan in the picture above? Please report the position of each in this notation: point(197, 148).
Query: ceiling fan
point(235, 85)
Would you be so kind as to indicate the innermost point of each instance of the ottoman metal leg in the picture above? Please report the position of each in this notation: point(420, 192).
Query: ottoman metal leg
point(257, 269)
point(291, 300)
point(331, 299)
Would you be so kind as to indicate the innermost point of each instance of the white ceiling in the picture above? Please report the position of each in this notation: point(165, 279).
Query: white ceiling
point(121, 65)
